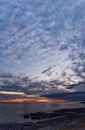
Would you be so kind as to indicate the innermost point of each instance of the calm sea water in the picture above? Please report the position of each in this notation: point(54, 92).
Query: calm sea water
point(12, 112)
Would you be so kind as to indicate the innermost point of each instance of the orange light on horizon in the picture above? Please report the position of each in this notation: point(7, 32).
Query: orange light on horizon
point(50, 100)
point(15, 100)
point(30, 100)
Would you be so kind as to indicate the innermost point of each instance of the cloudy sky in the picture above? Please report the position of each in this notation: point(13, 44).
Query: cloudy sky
point(42, 46)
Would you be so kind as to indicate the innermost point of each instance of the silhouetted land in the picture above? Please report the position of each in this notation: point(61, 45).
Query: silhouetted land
point(71, 113)
point(82, 102)
point(63, 119)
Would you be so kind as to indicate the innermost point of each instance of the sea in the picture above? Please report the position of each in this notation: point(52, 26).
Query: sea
point(13, 112)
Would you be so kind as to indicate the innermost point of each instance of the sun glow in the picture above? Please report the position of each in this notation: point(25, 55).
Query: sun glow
point(51, 100)
point(30, 100)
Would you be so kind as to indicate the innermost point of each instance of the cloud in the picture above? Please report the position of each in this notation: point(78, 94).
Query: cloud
point(6, 75)
point(71, 96)
point(43, 39)
point(23, 86)
point(12, 95)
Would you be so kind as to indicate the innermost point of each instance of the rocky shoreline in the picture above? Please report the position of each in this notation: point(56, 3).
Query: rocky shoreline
point(54, 123)
point(70, 113)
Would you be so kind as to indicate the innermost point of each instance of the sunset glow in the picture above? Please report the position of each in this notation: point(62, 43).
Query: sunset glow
point(50, 100)
point(30, 100)
point(42, 64)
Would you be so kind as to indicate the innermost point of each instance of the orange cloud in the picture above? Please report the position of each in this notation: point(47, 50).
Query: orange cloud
point(50, 100)
point(30, 100)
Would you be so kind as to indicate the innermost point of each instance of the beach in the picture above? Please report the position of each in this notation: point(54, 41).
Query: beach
point(66, 122)
point(78, 124)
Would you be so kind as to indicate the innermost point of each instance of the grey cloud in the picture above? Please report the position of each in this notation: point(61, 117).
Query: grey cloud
point(46, 70)
point(23, 34)
point(31, 86)
point(81, 84)
point(6, 75)
point(14, 96)
point(41, 33)
point(64, 47)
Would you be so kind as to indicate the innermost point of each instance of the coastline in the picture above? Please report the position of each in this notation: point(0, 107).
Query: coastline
point(67, 122)
point(78, 124)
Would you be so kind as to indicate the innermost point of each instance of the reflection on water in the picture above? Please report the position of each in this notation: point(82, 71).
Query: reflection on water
point(12, 112)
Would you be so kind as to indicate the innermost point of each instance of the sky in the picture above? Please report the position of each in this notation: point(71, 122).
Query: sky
point(42, 47)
